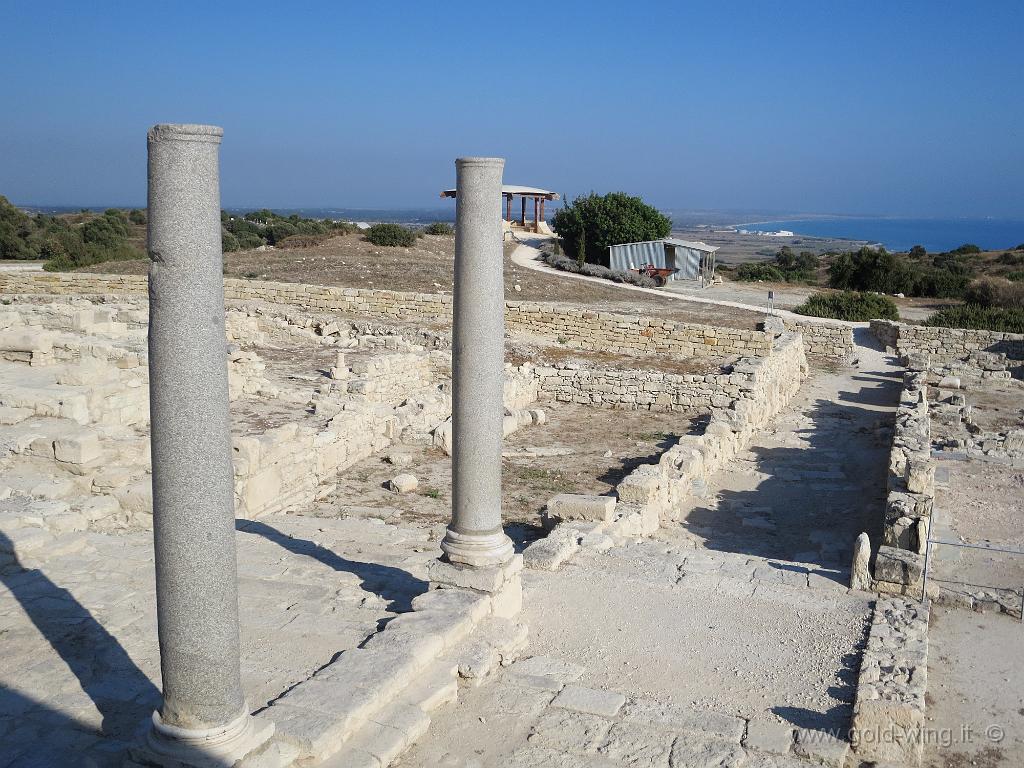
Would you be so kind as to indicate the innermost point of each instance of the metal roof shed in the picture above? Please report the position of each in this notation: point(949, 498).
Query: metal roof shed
point(691, 260)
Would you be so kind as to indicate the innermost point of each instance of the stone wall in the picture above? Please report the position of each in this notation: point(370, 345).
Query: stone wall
point(764, 386)
point(888, 712)
point(574, 327)
point(824, 340)
point(635, 389)
point(759, 388)
point(946, 344)
point(911, 491)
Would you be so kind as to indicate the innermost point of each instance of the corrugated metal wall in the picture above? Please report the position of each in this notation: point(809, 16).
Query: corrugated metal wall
point(635, 255)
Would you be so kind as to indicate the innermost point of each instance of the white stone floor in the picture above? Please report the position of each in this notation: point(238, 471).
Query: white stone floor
point(738, 615)
point(80, 667)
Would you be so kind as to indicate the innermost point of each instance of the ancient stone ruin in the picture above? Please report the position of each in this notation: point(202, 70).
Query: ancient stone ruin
point(248, 523)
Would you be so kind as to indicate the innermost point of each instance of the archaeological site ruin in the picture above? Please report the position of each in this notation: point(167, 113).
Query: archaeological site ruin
point(266, 524)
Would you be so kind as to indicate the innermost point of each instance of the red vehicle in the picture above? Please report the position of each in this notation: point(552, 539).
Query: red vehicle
point(659, 275)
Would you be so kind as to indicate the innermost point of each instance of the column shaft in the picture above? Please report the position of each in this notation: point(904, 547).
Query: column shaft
point(475, 536)
point(193, 498)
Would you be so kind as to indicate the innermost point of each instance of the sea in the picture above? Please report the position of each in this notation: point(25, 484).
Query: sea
point(898, 234)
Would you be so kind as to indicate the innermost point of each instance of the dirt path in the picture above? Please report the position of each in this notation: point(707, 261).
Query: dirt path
point(740, 614)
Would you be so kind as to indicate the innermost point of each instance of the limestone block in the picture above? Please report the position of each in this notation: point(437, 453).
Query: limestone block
point(574, 506)
point(78, 449)
point(769, 736)
point(491, 579)
point(137, 497)
point(403, 483)
point(11, 415)
point(860, 573)
point(887, 731)
point(590, 701)
point(898, 566)
point(26, 341)
point(549, 553)
point(443, 437)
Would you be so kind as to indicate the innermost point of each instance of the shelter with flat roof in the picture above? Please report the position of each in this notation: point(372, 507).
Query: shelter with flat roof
point(537, 198)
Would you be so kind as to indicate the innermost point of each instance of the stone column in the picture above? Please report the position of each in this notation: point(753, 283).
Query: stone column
point(475, 536)
point(204, 719)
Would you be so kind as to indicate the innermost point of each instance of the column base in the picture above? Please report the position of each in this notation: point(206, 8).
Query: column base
point(225, 746)
point(477, 550)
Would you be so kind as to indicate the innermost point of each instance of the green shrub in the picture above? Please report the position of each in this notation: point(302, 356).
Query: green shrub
point(137, 216)
point(439, 228)
point(391, 235)
point(753, 272)
point(1012, 258)
point(228, 242)
point(590, 224)
point(1017, 275)
point(995, 292)
point(982, 318)
point(849, 305)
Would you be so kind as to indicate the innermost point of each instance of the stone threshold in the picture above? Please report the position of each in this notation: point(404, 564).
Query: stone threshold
point(371, 703)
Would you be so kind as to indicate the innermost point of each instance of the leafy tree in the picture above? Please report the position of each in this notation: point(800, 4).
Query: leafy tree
point(918, 251)
point(137, 216)
point(591, 223)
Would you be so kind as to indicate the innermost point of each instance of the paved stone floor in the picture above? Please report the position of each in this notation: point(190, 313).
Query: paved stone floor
point(730, 639)
point(79, 634)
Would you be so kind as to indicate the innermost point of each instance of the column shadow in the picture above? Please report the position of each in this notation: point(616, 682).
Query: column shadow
point(123, 695)
point(396, 586)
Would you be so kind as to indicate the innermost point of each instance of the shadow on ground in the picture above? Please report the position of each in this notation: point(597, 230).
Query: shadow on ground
point(394, 585)
point(35, 733)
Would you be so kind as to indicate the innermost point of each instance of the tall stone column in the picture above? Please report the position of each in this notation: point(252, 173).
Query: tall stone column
point(475, 536)
point(204, 719)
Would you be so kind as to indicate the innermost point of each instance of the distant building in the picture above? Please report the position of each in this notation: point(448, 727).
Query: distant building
point(537, 197)
point(690, 260)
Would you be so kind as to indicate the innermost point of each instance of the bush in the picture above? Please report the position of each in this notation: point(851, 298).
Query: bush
point(590, 224)
point(597, 270)
point(391, 235)
point(137, 216)
point(849, 305)
point(302, 241)
point(981, 318)
point(439, 228)
point(752, 272)
point(995, 292)
point(228, 242)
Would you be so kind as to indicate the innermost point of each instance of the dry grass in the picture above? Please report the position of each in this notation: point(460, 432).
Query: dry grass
point(428, 267)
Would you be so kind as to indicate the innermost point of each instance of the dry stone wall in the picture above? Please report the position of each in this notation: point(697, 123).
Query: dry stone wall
point(888, 714)
point(635, 389)
point(944, 345)
point(575, 327)
point(664, 492)
point(899, 564)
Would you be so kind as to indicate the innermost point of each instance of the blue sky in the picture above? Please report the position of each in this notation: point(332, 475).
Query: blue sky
point(913, 108)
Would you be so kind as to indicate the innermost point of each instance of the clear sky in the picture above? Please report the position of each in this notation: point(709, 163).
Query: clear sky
point(913, 108)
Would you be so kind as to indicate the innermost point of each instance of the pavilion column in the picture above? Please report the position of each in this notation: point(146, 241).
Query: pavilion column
point(204, 719)
point(475, 536)
point(523, 212)
point(536, 215)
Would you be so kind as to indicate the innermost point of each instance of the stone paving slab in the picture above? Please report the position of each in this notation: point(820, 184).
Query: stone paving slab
point(81, 668)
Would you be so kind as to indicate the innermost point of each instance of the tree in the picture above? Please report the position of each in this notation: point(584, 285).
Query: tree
point(603, 220)
point(918, 252)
